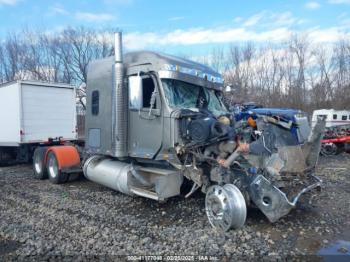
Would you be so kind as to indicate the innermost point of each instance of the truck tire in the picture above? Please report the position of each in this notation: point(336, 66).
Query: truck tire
point(329, 149)
point(225, 207)
point(53, 170)
point(39, 165)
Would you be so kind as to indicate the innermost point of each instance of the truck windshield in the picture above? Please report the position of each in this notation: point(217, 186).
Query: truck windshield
point(180, 94)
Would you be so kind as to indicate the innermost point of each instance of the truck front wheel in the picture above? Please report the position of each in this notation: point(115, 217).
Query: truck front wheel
point(55, 174)
point(225, 207)
point(39, 166)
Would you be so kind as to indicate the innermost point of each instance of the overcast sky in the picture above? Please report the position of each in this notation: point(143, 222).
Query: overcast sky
point(185, 26)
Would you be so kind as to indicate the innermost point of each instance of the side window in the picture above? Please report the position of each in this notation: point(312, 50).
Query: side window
point(344, 117)
point(147, 90)
point(95, 102)
point(334, 117)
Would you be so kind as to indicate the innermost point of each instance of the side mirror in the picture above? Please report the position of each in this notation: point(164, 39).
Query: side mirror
point(135, 92)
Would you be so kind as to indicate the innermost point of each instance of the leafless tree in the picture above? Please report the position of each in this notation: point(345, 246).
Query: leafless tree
point(218, 60)
point(14, 57)
point(295, 73)
point(77, 48)
point(341, 59)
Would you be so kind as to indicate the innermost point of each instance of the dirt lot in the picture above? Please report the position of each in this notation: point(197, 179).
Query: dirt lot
point(38, 219)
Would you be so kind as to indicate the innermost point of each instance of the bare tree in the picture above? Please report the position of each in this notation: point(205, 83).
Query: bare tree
point(2, 65)
point(77, 48)
point(295, 73)
point(14, 54)
point(217, 59)
point(321, 79)
point(341, 59)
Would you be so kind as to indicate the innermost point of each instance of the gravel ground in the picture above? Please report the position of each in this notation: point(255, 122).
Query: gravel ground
point(83, 219)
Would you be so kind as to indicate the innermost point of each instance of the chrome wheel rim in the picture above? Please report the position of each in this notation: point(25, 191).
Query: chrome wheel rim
point(53, 168)
point(38, 164)
point(225, 207)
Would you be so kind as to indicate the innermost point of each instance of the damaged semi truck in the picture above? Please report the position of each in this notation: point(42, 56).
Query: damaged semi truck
point(154, 121)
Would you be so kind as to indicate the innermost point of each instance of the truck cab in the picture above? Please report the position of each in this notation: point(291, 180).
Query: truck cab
point(159, 86)
point(155, 120)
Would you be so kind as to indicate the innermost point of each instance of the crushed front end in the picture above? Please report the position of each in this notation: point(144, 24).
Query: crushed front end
point(258, 162)
point(263, 160)
point(276, 202)
point(281, 170)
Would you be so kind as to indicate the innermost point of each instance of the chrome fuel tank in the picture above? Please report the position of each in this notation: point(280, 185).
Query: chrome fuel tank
point(108, 172)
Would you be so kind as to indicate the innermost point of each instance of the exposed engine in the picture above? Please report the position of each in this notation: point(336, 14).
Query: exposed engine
point(251, 162)
point(203, 128)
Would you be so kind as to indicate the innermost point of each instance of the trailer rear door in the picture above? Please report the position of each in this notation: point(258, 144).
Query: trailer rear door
point(10, 114)
point(47, 112)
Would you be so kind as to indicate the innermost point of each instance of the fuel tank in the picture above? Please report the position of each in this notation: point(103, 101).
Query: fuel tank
point(110, 173)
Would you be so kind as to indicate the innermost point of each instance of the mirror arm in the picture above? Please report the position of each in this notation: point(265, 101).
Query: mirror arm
point(153, 100)
point(154, 93)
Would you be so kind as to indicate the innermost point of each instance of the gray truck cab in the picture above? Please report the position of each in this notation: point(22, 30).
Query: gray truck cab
point(158, 86)
point(155, 120)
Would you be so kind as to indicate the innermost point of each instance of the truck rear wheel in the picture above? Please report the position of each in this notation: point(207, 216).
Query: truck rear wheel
point(39, 166)
point(53, 169)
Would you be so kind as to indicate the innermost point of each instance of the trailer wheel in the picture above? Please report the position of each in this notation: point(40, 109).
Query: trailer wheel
point(39, 166)
point(55, 174)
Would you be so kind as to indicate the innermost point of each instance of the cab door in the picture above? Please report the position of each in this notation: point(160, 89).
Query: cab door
point(145, 117)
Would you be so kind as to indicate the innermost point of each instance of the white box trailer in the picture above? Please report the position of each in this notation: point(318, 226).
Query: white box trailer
point(333, 117)
point(32, 113)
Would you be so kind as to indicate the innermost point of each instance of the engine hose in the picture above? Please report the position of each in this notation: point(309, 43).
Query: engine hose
point(227, 163)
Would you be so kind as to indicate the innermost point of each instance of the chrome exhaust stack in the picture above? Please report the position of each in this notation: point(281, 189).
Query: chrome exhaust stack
point(120, 100)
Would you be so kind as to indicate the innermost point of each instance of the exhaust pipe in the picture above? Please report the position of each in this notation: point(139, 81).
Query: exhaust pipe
point(118, 48)
point(120, 99)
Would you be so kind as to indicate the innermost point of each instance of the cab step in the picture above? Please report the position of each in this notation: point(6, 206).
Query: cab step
point(157, 171)
point(145, 193)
